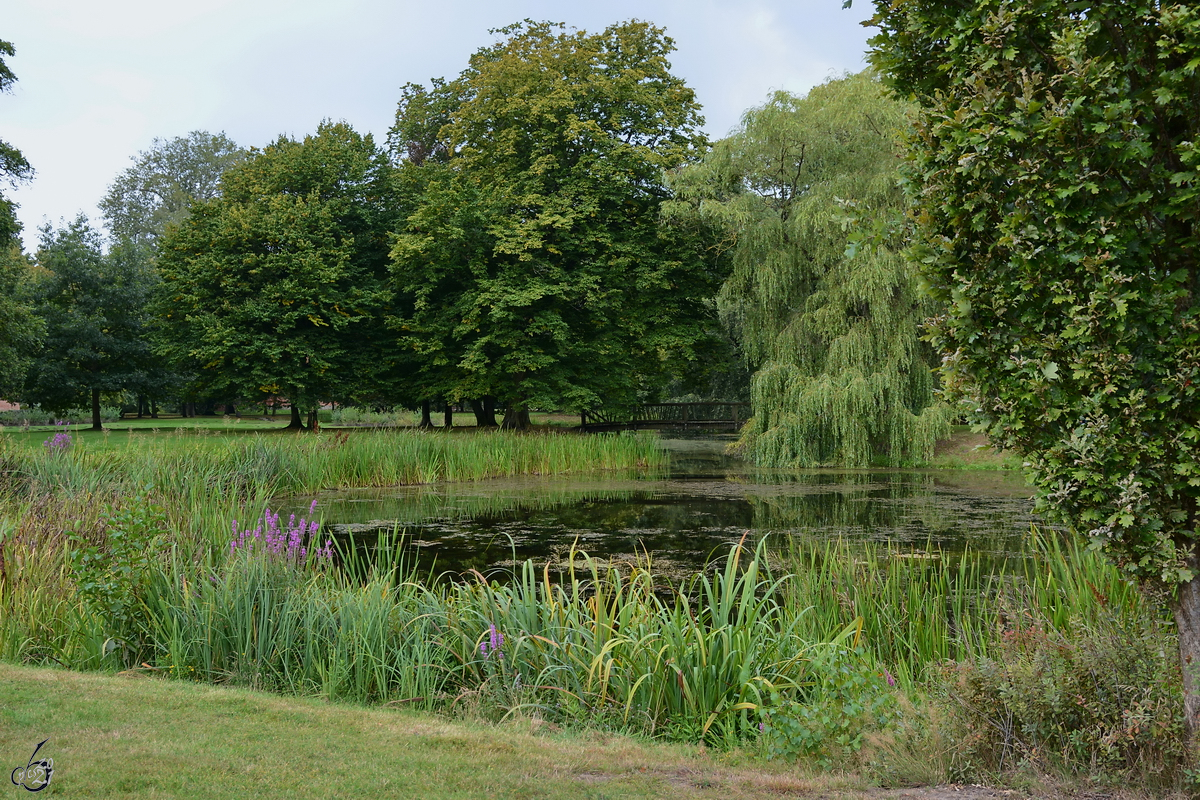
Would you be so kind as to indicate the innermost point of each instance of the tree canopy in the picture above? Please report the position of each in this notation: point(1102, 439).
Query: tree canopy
point(163, 183)
point(94, 313)
point(840, 373)
point(21, 330)
point(1055, 180)
point(268, 288)
point(535, 267)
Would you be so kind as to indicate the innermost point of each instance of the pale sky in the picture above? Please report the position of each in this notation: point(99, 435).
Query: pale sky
point(98, 81)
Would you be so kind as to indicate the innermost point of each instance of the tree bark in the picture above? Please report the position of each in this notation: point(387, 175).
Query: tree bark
point(1186, 608)
point(153, 408)
point(425, 422)
point(449, 414)
point(140, 403)
point(314, 420)
point(296, 424)
point(96, 426)
point(485, 413)
point(516, 418)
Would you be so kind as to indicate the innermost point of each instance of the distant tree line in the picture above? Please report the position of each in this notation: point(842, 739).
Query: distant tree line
point(550, 229)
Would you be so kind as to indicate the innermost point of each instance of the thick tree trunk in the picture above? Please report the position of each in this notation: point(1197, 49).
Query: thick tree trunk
point(141, 401)
point(516, 418)
point(485, 412)
point(1187, 624)
point(153, 408)
point(96, 426)
point(425, 422)
point(314, 420)
point(449, 415)
point(296, 424)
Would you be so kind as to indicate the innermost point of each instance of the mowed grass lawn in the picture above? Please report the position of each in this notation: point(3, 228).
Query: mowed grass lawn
point(145, 737)
point(118, 433)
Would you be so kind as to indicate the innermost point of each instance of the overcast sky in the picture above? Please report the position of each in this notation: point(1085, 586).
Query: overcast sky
point(98, 81)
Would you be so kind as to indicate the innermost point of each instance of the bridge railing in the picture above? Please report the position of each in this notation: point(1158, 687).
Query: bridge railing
point(683, 415)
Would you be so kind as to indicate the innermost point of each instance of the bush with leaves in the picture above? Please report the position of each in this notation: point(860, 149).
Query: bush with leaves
point(110, 574)
point(849, 697)
point(1103, 699)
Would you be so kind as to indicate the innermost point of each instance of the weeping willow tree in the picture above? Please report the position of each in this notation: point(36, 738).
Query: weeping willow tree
point(826, 310)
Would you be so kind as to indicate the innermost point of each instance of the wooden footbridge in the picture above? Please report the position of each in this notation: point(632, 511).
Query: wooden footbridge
point(668, 416)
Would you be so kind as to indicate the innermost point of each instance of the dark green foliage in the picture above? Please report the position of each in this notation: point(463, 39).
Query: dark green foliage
point(1056, 183)
point(535, 268)
point(94, 309)
point(833, 337)
point(21, 330)
point(274, 287)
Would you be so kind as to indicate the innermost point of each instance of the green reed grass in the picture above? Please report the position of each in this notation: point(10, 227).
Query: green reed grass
point(921, 608)
point(602, 645)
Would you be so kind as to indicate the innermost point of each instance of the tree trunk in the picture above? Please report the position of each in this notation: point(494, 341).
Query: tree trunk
point(314, 420)
point(1187, 624)
point(449, 415)
point(485, 413)
point(96, 426)
point(425, 422)
point(140, 403)
point(516, 418)
point(153, 408)
point(296, 424)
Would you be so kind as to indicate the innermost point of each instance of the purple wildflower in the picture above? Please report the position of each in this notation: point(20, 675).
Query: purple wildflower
point(891, 681)
point(60, 441)
point(493, 644)
point(289, 544)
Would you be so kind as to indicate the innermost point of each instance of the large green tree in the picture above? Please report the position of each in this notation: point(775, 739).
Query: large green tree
point(275, 287)
point(1056, 187)
point(21, 329)
point(155, 192)
point(840, 373)
point(94, 311)
point(536, 267)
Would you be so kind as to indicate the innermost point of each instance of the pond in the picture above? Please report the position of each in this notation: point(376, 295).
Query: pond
point(682, 519)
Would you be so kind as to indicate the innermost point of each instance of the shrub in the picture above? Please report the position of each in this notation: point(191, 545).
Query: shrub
point(848, 698)
point(1101, 698)
point(110, 575)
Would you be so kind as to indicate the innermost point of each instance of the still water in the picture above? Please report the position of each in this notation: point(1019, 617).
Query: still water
point(682, 519)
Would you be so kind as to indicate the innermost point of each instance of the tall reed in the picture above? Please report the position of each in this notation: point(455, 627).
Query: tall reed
point(602, 645)
point(921, 608)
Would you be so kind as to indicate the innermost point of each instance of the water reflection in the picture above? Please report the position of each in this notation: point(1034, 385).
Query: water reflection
point(682, 519)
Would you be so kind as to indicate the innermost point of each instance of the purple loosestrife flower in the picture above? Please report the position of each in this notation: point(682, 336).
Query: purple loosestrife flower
point(289, 544)
point(493, 644)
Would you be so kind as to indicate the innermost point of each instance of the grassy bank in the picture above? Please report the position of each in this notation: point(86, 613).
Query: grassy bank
point(123, 737)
